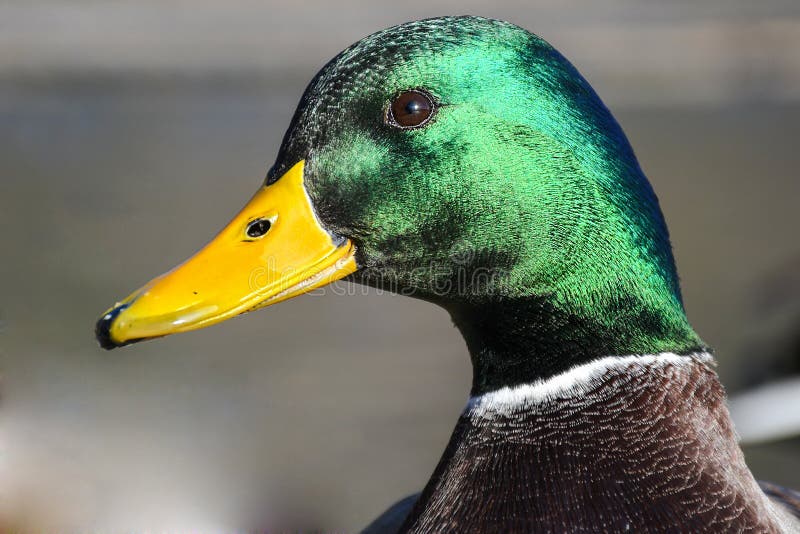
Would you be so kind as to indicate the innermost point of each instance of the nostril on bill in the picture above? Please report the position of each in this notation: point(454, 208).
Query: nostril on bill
point(258, 228)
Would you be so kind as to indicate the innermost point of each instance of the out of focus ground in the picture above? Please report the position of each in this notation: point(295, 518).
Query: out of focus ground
point(131, 132)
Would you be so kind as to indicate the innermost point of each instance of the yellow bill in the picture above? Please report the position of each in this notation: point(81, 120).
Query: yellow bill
point(273, 250)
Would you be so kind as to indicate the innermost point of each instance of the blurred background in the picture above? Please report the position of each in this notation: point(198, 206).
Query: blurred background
point(130, 132)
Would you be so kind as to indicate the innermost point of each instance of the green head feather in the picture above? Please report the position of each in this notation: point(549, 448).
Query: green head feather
point(519, 206)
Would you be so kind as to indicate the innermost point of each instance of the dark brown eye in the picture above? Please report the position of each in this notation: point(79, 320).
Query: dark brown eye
point(410, 109)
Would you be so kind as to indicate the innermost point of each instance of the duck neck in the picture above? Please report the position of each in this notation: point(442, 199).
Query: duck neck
point(627, 442)
point(519, 341)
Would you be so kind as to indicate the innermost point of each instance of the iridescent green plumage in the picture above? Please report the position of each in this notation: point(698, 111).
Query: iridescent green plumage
point(520, 207)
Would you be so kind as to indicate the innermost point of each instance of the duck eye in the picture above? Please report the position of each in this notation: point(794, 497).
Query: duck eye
point(258, 228)
point(410, 109)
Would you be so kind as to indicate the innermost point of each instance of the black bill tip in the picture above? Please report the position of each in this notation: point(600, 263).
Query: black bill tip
point(102, 329)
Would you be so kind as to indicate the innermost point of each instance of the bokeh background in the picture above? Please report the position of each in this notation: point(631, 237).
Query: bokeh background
point(131, 131)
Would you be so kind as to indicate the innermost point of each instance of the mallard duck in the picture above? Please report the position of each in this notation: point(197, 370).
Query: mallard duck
point(464, 161)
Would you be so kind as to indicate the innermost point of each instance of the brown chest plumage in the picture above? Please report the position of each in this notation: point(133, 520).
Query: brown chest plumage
point(640, 450)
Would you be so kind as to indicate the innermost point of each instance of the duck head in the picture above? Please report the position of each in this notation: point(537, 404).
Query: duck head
point(463, 161)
